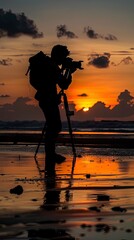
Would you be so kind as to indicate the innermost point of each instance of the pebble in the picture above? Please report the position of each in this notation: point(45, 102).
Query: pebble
point(94, 209)
point(17, 190)
point(103, 197)
point(119, 209)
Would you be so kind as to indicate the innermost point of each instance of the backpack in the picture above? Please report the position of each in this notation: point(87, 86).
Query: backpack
point(36, 69)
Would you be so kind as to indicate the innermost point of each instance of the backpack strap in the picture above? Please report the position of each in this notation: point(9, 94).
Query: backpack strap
point(27, 71)
point(35, 59)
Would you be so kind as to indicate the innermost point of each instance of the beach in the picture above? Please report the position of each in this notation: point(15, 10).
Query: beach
point(90, 197)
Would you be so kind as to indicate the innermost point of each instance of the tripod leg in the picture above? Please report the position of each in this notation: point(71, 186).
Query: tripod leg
point(42, 134)
point(69, 123)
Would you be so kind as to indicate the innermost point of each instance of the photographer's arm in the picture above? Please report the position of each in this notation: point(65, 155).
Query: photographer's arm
point(65, 80)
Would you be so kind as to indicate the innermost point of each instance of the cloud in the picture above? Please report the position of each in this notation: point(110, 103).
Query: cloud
point(63, 32)
point(127, 61)
point(98, 110)
point(17, 24)
point(110, 37)
point(124, 109)
point(125, 97)
point(126, 105)
point(20, 110)
point(63, 112)
point(36, 45)
point(2, 84)
point(4, 96)
point(82, 95)
point(6, 62)
point(123, 52)
point(99, 61)
point(93, 35)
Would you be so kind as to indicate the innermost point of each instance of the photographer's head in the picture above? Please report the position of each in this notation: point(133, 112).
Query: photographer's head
point(59, 54)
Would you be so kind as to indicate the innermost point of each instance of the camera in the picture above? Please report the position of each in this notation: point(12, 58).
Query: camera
point(72, 65)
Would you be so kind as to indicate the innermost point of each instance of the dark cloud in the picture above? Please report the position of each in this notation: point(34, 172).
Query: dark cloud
point(107, 54)
point(127, 60)
point(110, 37)
point(4, 96)
point(121, 52)
point(124, 109)
point(93, 35)
point(98, 110)
point(17, 24)
point(19, 55)
point(37, 45)
point(2, 84)
point(99, 61)
point(125, 97)
point(63, 32)
point(6, 62)
point(126, 105)
point(20, 110)
point(82, 95)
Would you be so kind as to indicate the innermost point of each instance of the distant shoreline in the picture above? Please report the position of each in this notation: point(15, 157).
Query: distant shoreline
point(91, 124)
point(121, 140)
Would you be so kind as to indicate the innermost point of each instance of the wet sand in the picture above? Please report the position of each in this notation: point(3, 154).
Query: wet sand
point(95, 201)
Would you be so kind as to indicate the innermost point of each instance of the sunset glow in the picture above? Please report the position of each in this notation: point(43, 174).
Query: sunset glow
point(104, 46)
point(85, 109)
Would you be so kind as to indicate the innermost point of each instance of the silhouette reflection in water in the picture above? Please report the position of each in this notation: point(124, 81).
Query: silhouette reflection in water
point(52, 196)
point(52, 188)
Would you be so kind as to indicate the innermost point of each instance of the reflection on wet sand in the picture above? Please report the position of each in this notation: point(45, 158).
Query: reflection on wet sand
point(51, 197)
point(52, 186)
point(72, 196)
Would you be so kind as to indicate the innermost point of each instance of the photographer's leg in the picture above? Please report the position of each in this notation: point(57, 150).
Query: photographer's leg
point(54, 126)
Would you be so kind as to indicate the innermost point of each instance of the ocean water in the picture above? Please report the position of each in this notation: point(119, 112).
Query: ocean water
point(78, 131)
point(82, 133)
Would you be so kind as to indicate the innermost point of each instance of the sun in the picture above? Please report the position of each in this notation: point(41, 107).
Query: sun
point(85, 109)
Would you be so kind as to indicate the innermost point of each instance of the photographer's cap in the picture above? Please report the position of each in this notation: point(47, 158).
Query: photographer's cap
point(59, 52)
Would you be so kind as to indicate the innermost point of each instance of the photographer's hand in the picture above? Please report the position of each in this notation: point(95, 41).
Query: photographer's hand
point(73, 69)
point(64, 82)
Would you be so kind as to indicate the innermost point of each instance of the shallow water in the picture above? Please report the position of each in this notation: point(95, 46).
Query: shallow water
point(68, 197)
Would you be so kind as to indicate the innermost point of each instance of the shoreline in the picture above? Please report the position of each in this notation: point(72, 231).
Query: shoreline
point(112, 140)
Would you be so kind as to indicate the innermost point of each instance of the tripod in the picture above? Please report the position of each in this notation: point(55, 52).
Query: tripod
point(68, 114)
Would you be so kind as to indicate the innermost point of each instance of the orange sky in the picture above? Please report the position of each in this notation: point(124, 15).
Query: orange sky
point(98, 84)
point(91, 84)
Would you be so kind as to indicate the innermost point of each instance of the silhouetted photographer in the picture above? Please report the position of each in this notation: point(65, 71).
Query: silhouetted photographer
point(45, 74)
